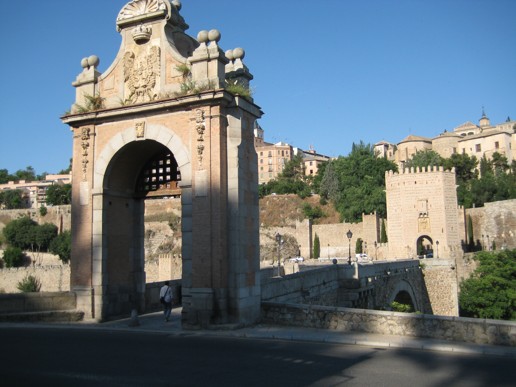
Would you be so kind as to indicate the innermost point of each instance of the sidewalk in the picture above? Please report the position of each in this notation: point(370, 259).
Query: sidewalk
point(154, 322)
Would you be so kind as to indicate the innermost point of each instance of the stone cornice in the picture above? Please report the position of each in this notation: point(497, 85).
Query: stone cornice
point(166, 105)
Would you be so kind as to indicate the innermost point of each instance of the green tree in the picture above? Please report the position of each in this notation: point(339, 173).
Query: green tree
point(5, 177)
point(359, 246)
point(13, 257)
point(316, 181)
point(424, 159)
point(294, 169)
point(11, 199)
point(291, 181)
point(312, 212)
point(383, 232)
point(26, 234)
point(466, 172)
point(499, 164)
point(19, 232)
point(465, 166)
point(485, 166)
point(317, 247)
point(42, 236)
point(28, 174)
point(471, 241)
point(62, 246)
point(491, 291)
point(329, 186)
point(59, 194)
point(43, 210)
point(361, 183)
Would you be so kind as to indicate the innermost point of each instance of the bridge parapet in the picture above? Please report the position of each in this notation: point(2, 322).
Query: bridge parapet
point(369, 286)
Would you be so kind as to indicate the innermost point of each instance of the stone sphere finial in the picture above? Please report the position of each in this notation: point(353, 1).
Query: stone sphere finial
point(202, 36)
point(84, 63)
point(177, 4)
point(239, 53)
point(93, 60)
point(214, 35)
point(229, 54)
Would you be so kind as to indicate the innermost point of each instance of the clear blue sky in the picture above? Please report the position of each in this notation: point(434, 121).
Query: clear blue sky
point(327, 73)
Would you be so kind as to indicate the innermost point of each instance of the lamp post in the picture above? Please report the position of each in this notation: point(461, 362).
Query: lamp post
point(349, 234)
point(280, 241)
point(375, 250)
point(437, 249)
point(328, 251)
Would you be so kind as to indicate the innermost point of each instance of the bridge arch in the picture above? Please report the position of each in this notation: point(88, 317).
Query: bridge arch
point(404, 294)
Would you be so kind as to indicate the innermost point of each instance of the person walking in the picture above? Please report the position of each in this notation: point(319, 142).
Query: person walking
point(165, 296)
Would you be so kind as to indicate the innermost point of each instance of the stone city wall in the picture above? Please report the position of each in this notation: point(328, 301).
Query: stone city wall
point(479, 331)
point(332, 237)
point(55, 278)
point(495, 222)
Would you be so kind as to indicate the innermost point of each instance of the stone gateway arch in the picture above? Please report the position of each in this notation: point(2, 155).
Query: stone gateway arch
point(171, 113)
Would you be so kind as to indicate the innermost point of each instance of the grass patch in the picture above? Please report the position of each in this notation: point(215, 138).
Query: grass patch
point(236, 88)
point(93, 102)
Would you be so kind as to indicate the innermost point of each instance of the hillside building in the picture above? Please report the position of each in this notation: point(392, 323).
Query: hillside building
point(273, 157)
point(479, 140)
point(34, 193)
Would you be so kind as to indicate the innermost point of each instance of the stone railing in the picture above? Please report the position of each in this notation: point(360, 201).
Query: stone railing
point(469, 330)
point(36, 302)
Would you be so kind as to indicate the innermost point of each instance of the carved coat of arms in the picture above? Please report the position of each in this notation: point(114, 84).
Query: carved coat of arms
point(140, 75)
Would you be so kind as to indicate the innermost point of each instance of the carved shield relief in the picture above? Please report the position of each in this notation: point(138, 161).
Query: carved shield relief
point(141, 72)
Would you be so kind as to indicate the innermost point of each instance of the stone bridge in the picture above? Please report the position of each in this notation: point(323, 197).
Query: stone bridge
point(367, 286)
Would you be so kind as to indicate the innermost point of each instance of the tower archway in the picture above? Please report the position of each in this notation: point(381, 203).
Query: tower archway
point(424, 247)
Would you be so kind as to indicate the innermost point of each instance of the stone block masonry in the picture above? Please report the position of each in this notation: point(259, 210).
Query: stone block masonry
point(52, 278)
point(469, 330)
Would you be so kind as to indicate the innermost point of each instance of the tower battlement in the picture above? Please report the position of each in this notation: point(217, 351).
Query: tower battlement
point(418, 170)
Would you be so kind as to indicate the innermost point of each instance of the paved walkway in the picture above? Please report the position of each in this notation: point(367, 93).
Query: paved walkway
point(154, 322)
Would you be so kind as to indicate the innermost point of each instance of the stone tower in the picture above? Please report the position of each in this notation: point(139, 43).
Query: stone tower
point(423, 213)
point(162, 117)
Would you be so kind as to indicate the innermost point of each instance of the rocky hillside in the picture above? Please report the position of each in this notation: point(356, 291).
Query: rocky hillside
point(284, 210)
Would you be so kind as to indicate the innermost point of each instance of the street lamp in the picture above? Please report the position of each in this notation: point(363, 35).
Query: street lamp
point(375, 251)
point(437, 249)
point(280, 242)
point(349, 234)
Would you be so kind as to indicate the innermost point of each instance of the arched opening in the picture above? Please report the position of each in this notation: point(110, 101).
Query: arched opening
point(403, 299)
point(424, 247)
point(404, 302)
point(138, 171)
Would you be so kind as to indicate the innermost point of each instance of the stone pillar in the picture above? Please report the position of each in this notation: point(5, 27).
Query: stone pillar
point(86, 83)
point(208, 61)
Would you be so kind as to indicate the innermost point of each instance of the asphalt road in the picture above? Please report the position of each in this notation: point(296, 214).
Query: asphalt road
point(86, 357)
